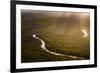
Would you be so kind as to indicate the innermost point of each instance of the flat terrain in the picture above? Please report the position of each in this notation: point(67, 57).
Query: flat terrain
point(61, 34)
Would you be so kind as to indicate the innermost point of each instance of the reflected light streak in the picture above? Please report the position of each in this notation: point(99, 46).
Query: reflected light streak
point(85, 33)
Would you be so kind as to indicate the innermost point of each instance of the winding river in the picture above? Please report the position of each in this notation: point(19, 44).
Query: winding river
point(54, 53)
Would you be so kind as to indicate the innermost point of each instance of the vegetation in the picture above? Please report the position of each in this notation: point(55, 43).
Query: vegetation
point(58, 36)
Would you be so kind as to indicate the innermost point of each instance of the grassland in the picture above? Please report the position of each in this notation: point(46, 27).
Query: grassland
point(48, 29)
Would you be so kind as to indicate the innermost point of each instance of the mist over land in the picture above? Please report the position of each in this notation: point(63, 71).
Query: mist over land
point(60, 30)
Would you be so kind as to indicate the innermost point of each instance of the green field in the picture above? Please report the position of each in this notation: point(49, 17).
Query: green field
point(61, 34)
